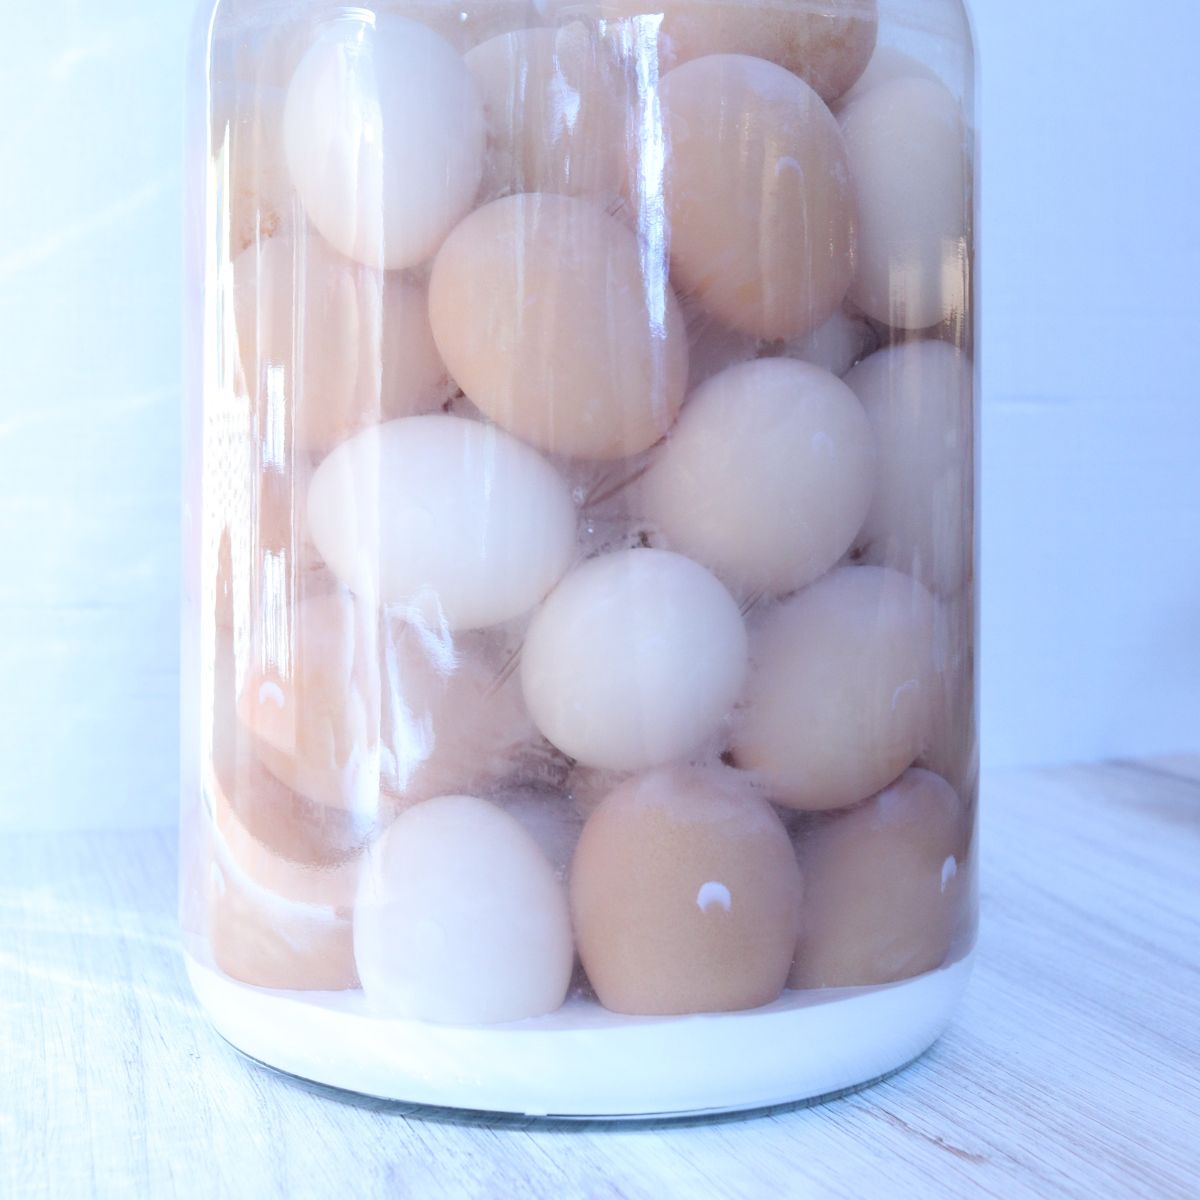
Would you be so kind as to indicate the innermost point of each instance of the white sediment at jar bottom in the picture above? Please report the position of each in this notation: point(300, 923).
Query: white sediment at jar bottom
point(583, 1061)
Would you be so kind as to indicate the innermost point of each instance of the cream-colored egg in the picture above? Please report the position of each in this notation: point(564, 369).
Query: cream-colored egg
point(836, 345)
point(887, 63)
point(827, 45)
point(555, 117)
point(448, 520)
point(917, 396)
point(454, 718)
point(259, 939)
point(759, 195)
point(328, 345)
point(766, 476)
point(840, 696)
point(882, 893)
point(460, 918)
point(908, 154)
point(685, 896)
point(384, 135)
point(547, 319)
point(634, 660)
point(311, 698)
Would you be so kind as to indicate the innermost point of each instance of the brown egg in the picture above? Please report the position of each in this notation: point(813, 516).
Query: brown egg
point(554, 110)
point(454, 719)
point(840, 697)
point(828, 44)
point(882, 893)
point(311, 698)
point(293, 847)
point(267, 942)
point(685, 896)
point(759, 196)
point(545, 318)
point(952, 749)
point(329, 345)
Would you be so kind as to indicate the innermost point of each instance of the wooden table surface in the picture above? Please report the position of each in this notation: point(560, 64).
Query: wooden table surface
point(1072, 1070)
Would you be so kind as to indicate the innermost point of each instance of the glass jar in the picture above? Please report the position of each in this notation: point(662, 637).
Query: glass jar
point(579, 703)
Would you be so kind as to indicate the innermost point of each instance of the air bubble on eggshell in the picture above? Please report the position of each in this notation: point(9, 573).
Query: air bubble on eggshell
point(882, 887)
point(545, 317)
point(685, 896)
point(840, 698)
point(766, 477)
point(759, 195)
point(384, 136)
point(460, 918)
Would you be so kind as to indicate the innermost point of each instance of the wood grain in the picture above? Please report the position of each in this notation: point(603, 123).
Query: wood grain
point(1072, 1071)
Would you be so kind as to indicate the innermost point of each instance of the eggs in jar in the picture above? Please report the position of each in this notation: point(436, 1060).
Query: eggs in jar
point(599, 624)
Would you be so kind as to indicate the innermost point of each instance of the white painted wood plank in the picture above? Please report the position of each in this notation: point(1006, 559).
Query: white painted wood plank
point(1072, 1072)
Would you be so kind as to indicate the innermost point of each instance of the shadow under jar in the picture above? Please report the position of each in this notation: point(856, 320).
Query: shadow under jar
point(579, 624)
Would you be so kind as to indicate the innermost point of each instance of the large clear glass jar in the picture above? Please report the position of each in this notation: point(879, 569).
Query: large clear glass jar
point(579, 635)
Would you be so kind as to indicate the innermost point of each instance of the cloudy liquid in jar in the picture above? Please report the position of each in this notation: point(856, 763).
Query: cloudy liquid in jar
point(579, 631)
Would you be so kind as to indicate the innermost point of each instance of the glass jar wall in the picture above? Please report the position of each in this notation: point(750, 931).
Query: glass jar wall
point(579, 705)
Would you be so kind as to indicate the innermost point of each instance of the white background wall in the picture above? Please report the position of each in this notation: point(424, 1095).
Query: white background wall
point(1091, 550)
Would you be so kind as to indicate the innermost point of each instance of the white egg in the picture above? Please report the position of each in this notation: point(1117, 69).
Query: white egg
point(841, 695)
point(634, 660)
point(907, 147)
point(452, 520)
point(384, 135)
point(837, 345)
point(460, 918)
point(917, 396)
point(766, 476)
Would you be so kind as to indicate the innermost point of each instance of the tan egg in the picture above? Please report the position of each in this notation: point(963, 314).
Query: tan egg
point(840, 696)
point(290, 846)
point(827, 44)
point(836, 345)
point(454, 720)
point(908, 154)
point(766, 477)
point(882, 892)
point(918, 397)
point(685, 895)
point(267, 942)
point(460, 918)
point(554, 110)
point(887, 63)
point(311, 698)
point(759, 195)
point(329, 345)
point(545, 318)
